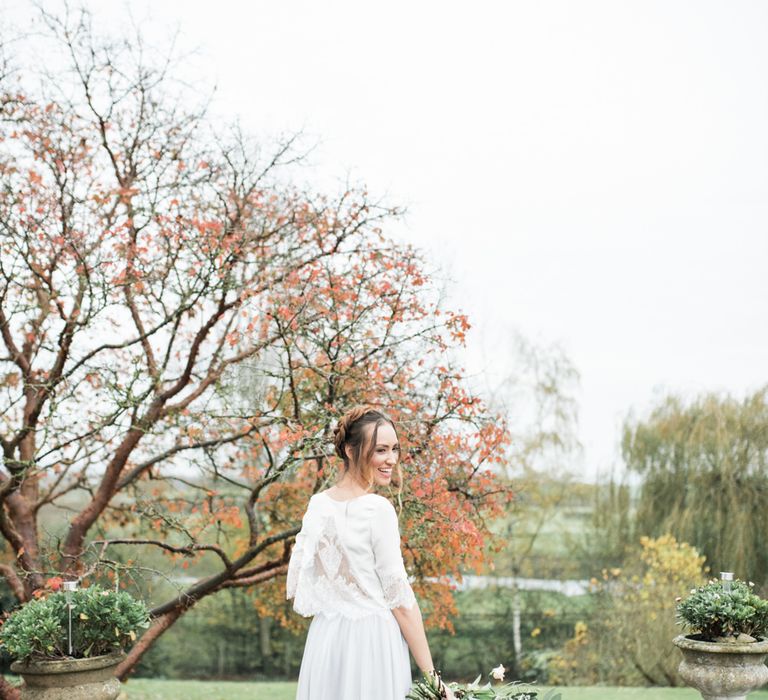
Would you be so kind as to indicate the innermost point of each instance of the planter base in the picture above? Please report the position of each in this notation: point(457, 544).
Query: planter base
point(723, 671)
point(70, 679)
point(109, 690)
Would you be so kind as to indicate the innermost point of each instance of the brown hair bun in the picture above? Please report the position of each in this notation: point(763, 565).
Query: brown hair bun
point(344, 428)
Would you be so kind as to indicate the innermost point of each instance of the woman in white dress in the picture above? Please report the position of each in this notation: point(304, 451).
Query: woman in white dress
point(347, 572)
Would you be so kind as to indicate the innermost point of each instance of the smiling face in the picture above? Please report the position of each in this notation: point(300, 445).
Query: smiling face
point(384, 455)
point(366, 440)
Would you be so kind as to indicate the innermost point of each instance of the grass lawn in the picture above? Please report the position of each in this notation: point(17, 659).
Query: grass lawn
point(147, 689)
point(144, 689)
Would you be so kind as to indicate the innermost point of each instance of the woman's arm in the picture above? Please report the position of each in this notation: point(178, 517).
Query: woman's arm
point(412, 627)
point(398, 595)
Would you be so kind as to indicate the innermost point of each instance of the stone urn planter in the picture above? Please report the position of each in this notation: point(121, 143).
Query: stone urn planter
point(70, 679)
point(721, 671)
point(67, 643)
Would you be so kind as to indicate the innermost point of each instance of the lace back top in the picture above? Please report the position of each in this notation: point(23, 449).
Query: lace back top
point(347, 559)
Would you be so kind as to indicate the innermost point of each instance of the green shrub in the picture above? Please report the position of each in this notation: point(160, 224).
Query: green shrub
point(627, 640)
point(714, 612)
point(103, 621)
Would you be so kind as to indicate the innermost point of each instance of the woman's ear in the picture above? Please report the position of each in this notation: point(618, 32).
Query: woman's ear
point(348, 452)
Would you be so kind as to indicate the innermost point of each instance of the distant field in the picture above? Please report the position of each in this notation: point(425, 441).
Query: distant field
point(142, 689)
point(560, 549)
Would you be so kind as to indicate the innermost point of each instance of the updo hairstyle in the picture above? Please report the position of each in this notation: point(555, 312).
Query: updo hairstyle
point(351, 432)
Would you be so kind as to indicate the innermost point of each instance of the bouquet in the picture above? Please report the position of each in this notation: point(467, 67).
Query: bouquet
point(431, 688)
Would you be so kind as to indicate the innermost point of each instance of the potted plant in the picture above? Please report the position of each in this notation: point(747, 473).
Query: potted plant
point(724, 655)
point(81, 665)
point(431, 688)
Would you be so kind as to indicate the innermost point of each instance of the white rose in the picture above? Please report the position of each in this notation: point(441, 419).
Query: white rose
point(498, 672)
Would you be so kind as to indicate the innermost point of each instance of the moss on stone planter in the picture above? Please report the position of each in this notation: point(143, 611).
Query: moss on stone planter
point(70, 679)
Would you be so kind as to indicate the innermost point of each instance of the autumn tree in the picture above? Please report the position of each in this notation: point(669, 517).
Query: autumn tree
point(180, 327)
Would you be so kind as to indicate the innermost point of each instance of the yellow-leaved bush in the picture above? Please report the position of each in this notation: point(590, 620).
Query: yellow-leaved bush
point(628, 639)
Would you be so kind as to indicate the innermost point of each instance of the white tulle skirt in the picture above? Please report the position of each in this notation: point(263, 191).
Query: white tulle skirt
point(354, 659)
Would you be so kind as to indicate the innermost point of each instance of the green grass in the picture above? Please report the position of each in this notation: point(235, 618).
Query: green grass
point(144, 689)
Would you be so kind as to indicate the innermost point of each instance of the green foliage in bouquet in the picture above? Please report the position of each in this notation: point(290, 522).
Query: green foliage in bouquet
point(429, 689)
point(715, 613)
point(103, 621)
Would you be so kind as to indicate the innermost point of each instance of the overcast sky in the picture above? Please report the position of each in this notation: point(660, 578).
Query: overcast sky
point(592, 174)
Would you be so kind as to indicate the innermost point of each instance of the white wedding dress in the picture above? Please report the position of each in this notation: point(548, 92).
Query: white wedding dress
point(347, 571)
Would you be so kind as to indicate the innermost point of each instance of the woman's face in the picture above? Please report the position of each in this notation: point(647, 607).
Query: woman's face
point(386, 452)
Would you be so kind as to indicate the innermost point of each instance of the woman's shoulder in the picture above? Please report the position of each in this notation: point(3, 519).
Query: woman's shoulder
point(382, 501)
point(371, 502)
point(332, 494)
point(381, 507)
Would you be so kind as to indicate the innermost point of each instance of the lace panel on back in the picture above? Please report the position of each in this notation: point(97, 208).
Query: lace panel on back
point(322, 579)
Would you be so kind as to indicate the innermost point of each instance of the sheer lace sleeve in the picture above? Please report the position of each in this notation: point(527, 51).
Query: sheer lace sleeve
point(389, 559)
point(294, 566)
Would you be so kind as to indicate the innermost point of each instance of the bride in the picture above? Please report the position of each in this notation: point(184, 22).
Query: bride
point(347, 572)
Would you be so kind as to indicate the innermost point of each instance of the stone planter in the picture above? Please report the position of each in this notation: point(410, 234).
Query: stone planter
point(70, 679)
point(723, 671)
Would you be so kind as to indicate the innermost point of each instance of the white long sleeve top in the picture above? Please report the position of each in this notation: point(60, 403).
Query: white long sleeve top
point(347, 559)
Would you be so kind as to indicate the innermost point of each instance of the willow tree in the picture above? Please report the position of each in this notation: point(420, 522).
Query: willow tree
point(148, 265)
point(704, 474)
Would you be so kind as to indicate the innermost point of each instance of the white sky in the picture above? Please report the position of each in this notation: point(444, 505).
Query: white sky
point(588, 173)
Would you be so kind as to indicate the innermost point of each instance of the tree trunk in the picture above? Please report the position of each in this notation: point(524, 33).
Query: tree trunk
point(158, 627)
point(265, 646)
point(222, 657)
point(516, 637)
point(7, 691)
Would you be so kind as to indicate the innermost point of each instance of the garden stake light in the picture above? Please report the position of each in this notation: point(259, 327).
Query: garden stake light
point(68, 587)
point(726, 577)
